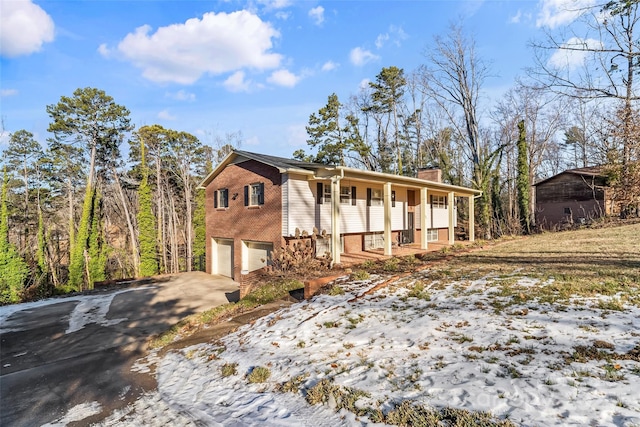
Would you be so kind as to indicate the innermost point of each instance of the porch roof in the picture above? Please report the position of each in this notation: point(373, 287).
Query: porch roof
point(320, 171)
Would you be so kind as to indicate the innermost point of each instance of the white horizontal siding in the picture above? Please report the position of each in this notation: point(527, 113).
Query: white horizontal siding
point(302, 211)
point(398, 219)
point(301, 206)
point(353, 219)
point(440, 218)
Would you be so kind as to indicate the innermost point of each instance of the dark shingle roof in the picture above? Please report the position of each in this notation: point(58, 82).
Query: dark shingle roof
point(588, 171)
point(280, 162)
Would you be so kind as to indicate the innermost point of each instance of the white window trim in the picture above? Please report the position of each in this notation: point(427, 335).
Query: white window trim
point(376, 197)
point(345, 197)
point(439, 202)
point(254, 194)
point(326, 193)
point(221, 204)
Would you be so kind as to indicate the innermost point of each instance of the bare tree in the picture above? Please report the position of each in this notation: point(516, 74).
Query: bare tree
point(599, 59)
point(453, 78)
point(543, 114)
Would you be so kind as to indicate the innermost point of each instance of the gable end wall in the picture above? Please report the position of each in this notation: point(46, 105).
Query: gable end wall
point(239, 222)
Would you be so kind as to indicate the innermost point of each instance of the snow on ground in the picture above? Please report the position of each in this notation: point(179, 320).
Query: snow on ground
point(91, 308)
point(77, 413)
point(463, 345)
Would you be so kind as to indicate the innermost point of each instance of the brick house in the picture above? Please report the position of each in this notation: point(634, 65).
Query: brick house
point(574, 195)
point(256, 202)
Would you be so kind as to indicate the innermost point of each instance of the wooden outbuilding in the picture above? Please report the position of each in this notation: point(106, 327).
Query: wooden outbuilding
point(573, 196)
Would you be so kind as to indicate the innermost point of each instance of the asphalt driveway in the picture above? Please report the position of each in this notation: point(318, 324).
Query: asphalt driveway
point(60, 353)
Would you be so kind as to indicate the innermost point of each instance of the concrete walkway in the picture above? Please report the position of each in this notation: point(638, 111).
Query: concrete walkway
point(62, 352)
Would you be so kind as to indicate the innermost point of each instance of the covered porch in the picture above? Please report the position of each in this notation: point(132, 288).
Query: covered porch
point(421, 189)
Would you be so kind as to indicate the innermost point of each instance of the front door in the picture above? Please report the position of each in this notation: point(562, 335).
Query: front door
point(408, 234)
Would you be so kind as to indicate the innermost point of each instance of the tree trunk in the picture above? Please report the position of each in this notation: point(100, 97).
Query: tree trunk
point(188, 222)
point(132, 234)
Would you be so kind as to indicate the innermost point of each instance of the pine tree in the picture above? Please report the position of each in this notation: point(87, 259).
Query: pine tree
point(333, 135)
point(388, 91)
point(90, 117)
point(522, 180)
point(22, 157)
point(13, 269)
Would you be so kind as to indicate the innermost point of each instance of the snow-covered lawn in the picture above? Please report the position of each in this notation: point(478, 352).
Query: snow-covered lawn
point(466, 344)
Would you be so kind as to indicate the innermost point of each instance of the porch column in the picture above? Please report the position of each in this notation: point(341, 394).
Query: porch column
point(423, 218)
point(452, 217)
point(472, 220)
point(335, 220)
point(387, 218)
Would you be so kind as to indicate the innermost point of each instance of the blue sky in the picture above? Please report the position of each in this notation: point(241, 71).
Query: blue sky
point(260, 67)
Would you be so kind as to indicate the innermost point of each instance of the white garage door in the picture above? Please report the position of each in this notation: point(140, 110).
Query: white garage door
point(258, 254)
point(223, 257)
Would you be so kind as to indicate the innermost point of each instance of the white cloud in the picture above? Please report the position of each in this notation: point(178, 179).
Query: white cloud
point(253, 140)
point(4, 137)
point(216, 44)
point(283, 16)
point(515, 19)
point(470, 7)
point(8, 92)
point(165, 115)
point(24, 28)
point(275, 4)
point(381, 39)
point(237, 83)
point(104, 50)
point(297, 135)
point(182, 95)
point(554, 13)
point(360, 56)
point(364, 84)
point(572, 59)
point(283, 78)
point(329, 66)
point(317, 14)
point(395, 35)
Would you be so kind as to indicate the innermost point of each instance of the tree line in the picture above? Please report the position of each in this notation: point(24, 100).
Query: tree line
point(74, 212)
point(557, 116)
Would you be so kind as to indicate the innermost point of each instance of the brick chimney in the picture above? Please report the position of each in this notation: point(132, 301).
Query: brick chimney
point(431, 174)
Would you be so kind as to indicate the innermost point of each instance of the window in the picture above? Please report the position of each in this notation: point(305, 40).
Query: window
point(345, 195)
point(221, 198)
point(323, 193)
point(254, 194)
point(393, 199)
point(327, 193)
point(432, 235)
point(374, 197)
point(439, 202)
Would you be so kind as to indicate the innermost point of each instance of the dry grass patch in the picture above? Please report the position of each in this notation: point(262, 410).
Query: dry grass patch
point(583, 263)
